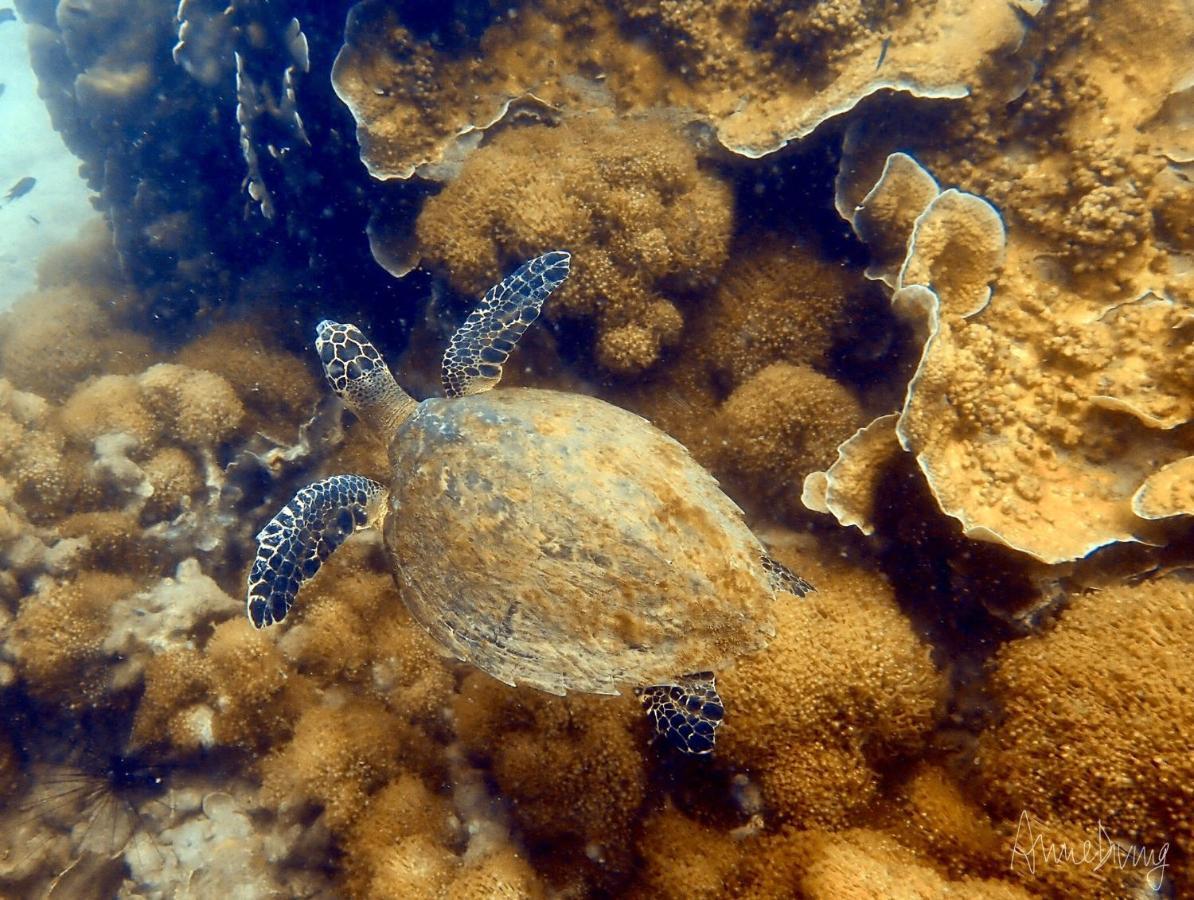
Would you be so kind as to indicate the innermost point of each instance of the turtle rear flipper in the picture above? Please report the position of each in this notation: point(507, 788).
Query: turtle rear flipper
point(784, 579)
point(292, 547)
point(687, 713)
point(474, 358)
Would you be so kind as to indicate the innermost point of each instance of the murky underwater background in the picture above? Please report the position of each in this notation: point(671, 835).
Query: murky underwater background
point(911, 278)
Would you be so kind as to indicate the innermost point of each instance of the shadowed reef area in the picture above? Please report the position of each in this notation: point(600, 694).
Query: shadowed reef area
point(911, 278)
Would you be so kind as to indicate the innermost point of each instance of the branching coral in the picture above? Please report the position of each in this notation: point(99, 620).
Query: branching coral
point(626, 197)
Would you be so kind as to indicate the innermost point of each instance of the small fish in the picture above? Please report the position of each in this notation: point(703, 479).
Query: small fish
point(1, 88)
point(21, 188)
point(7, 15)
point(34, 219)
point(883, 52)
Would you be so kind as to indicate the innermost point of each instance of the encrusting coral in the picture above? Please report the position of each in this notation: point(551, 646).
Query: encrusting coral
point(644, 223)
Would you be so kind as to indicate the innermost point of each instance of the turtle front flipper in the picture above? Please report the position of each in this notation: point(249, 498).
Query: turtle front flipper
point(474, 358)
point(686, 713)
point(292, 547)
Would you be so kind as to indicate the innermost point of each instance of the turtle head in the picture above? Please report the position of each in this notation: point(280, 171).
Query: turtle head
point(360, 377)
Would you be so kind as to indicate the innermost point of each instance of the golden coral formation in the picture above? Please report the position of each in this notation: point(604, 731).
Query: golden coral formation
point(1094, 181)
point(777, 301)
point(849, 488)
point(644, 223)
point(784, 422)
point(402, 810)
point(845, 685)
point(861, 864)
point(277, 388)
point(1167, 492)
point(935, 815)
point(337, 757)
point(58, 635)
point(1069, 388)
point(746, 391)
point(351, 627)
point(255, 695)
point(573, 767)
point(54, 338)
point(406, 844)
point(687, 859)
point(1092, 726)
point(763, 73)
point(173, 710)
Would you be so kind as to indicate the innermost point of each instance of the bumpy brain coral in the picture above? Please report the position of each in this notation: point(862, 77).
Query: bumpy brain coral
point(646, 226)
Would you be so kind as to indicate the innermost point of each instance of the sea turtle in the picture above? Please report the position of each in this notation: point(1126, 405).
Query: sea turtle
point(550, 539)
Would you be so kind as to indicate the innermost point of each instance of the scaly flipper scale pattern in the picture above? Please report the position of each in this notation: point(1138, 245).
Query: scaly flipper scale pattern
point(474, 358)
point(295, 543)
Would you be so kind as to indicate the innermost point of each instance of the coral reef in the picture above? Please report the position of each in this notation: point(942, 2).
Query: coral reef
point(1049, 375)
point(968, 225)
point(780, 424)
point(820, 711)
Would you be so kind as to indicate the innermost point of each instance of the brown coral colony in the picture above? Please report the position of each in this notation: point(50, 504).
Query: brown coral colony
point(894, 295)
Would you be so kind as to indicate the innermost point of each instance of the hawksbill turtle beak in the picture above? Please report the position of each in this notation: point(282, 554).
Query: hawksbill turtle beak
point(323, 331)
